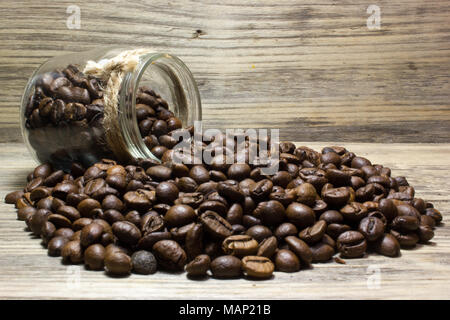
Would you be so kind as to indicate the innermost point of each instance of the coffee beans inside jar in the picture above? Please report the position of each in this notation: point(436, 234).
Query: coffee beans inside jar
point(224, 220)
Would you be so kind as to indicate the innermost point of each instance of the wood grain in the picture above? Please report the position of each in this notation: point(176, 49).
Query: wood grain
point(422, 273)
point(312, 69)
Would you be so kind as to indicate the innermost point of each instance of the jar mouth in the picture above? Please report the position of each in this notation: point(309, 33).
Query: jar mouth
point(168, 76)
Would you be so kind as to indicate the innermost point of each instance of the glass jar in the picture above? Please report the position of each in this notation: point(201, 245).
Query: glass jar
point(111, 103)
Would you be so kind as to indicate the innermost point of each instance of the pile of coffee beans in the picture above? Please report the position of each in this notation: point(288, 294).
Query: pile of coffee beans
point(227, 220)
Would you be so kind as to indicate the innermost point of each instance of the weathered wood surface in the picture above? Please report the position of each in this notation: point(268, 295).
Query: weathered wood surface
point(422, 273)
point(312, 69)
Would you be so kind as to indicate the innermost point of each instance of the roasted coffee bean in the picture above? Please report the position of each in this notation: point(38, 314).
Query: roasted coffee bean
point(230, 190)
point(144, 262)
point(351, 244)
point(215, 225)
point(37, 220)
point(212, 205)
point(169, 255)
point(25, 213)
point(55, 245)
point(407, 210)
point(226, 267)
point(271, 213)
point(258, 267)
point(286, 261)
point(267, 247)
point(126, 232)
point(371, 228)
point(331, 216)
point(406, 239)
point(425, 233)
point(94, 257)
point(387, 245)
point(261, 189)
point(306, 194)
point(72, 252)
point(149, 239)
point(166, 192)
point(91, 234)
point(321, 252)
point(240, 245)
point(159, 173)
point(424, 220)
point(300, 215)
point(199, 174)
point(314, 233)
point(284, 230)
point(405, 223)
point(140, 200)
point(194, 241)
point(354, 211)
point(12, 197)
point(199, 266)
point(259, 232)
point(179, 215)
point(117, 263)
point(435, 214)
point(300, 248)
point(336, 197)
point(152, 223)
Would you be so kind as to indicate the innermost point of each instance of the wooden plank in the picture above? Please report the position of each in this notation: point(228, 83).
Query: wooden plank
point(312, 69)
point(422, 273)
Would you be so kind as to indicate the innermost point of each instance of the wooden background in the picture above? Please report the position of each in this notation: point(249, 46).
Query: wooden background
point(310, 68)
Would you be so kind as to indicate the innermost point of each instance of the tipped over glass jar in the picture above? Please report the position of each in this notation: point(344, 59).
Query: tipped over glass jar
point(107, 103)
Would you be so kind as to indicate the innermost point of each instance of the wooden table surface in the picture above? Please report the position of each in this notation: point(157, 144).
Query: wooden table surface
point(310, 68)
point(422, 273)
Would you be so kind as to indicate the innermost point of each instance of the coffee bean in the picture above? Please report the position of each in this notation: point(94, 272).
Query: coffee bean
point(354, 211)
point(314, 233)
point(271, 212)
point(300, 215)
point(194, 241)
point(284, 230)
point(117, 263)
point(267, 247)
point(126, 232)
point(321, 252)
point(91, 234)
point(72, 252)
point(306, 194)
point(257, 266)
point(94, 257)
point(300, 248)
point(55, 245)
point(405, 223)
point(169, 255)
point(259, 232)
point(226, 267)
point(406, 239)
point(387, 245)
point(12, 197)
point(336, 197)
point(286, 261)
point(240, 245)
point(140, 200)
point(179, 215)
point(351, 244)
point(215, 225)
point(199, 266)
point(144, 262)
point(371, 228)
point(166, 192)
point(261, 189)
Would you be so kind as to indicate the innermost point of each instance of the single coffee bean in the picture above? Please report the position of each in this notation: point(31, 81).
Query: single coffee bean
point(144, 262)
point(387, 245)
point(194, 241)
point(140, 200)
point(271, 213)
point(405, 223)
point(240, 245)
point(284, 230)
point(117, 263)
point(259, 232)
point(226, 267)
point(314, 233)
point(336, 197)
point(351, 244)
point(286, 261)
point(166, 192)
point(406, 239)
point(371, 227)
point(435, 214)
point(261, 189)
point(321, 252)
point(306, 193)
point(199, 266)
point(12, 197)
point(425, 233)
point(267, 247)
point(126, 232)
point(179, 215)
point(72, 252)
point(91, 234)
point(258, 267)
point(300, 215)
point(94, 256)
point(169, 255)
point(388, 209)
point(55, 245)
point(215, 225)
point(354, 211)
point(331, 216)
point(300, 248)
